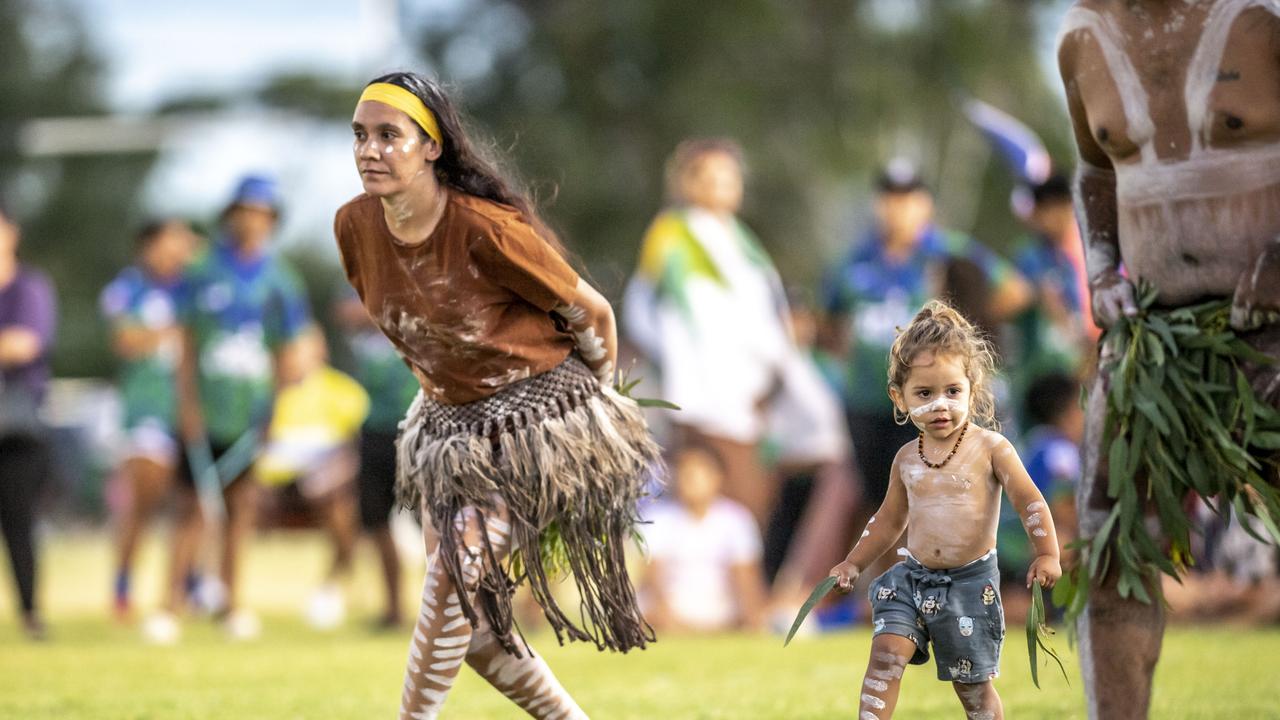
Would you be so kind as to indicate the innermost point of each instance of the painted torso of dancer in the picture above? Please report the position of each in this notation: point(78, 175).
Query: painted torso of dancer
point(1177, 118)
point(945, 489)
point(517, 429)
point(1176, 113)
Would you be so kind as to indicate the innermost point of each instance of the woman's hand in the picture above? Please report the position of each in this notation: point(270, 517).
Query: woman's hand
point(595, 332)
point(846, 574)
point(1045, 570)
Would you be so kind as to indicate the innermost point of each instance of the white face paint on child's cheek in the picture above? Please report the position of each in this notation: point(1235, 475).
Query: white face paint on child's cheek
point(939, 405)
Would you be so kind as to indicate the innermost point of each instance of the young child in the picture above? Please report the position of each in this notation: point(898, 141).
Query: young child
point(944, 489)
point(704, 570)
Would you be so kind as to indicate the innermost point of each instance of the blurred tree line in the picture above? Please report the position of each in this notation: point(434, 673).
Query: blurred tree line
point(587, 99)
point(76, 211)
point(590, 97)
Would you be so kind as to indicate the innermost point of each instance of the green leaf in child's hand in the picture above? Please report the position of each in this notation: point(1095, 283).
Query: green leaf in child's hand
point(1038, 634)
point(815, 597)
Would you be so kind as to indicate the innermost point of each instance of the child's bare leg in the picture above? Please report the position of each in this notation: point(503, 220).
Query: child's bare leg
point(443, 638)
point(980, 700)
point(879, 692)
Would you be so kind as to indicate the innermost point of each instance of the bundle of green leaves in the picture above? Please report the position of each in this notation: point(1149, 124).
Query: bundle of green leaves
point(1182, 421)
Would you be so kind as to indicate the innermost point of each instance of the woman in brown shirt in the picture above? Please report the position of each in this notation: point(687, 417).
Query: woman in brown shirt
point(520, 455)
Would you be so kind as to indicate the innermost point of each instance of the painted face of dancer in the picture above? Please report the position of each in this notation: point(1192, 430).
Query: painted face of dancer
point(936, 395)
point(391, 151)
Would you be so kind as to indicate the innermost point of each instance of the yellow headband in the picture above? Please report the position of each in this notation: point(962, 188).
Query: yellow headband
point(407, 103)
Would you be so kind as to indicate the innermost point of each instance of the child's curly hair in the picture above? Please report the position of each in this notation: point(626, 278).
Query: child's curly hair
point(942, 329)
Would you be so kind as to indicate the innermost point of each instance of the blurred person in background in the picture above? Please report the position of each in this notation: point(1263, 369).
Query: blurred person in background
point(28, 318)
point(311, 449)
point(391, 387)
point(708, 308)
point(1051, 452)
point(1053, 334)
point(240, 307)
point(141, 306)
point(704, 570)
point(888, 274)
point(516, 444)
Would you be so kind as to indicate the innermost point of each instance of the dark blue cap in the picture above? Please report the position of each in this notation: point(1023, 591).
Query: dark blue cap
point(900, 175)
point(257, 191)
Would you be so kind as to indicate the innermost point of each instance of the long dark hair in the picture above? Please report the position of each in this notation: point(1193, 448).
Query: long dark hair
point(464, 166)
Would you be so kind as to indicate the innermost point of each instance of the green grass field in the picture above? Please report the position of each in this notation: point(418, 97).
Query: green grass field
point(94, 668)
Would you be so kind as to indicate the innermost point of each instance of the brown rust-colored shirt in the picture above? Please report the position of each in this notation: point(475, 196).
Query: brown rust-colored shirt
point(470, 307)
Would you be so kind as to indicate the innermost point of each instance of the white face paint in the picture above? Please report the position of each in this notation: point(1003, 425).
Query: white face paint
point(939, 405)
point(1033, 507)
point(1033, 519)
point(877, 685)
point(1039, 532)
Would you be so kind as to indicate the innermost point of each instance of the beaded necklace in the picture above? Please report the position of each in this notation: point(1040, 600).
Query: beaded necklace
point(954, 448)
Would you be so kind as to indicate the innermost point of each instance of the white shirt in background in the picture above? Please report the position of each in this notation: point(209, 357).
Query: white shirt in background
point(697, 557)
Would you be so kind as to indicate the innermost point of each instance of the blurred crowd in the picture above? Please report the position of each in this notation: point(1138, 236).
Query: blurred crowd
point(233, 416)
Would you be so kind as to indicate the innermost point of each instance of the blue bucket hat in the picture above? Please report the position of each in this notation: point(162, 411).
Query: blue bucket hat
point(258, 191)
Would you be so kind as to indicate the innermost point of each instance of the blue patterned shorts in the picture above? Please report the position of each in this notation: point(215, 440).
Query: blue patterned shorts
point(957, 610)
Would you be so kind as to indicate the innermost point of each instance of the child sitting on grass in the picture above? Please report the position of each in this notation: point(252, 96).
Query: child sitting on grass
point(944, 489)
point(704, 571)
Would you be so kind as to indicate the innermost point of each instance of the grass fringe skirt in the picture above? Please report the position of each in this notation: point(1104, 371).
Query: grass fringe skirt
point(570, 458)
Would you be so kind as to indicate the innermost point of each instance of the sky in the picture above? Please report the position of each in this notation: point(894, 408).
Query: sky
point(157, 51)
